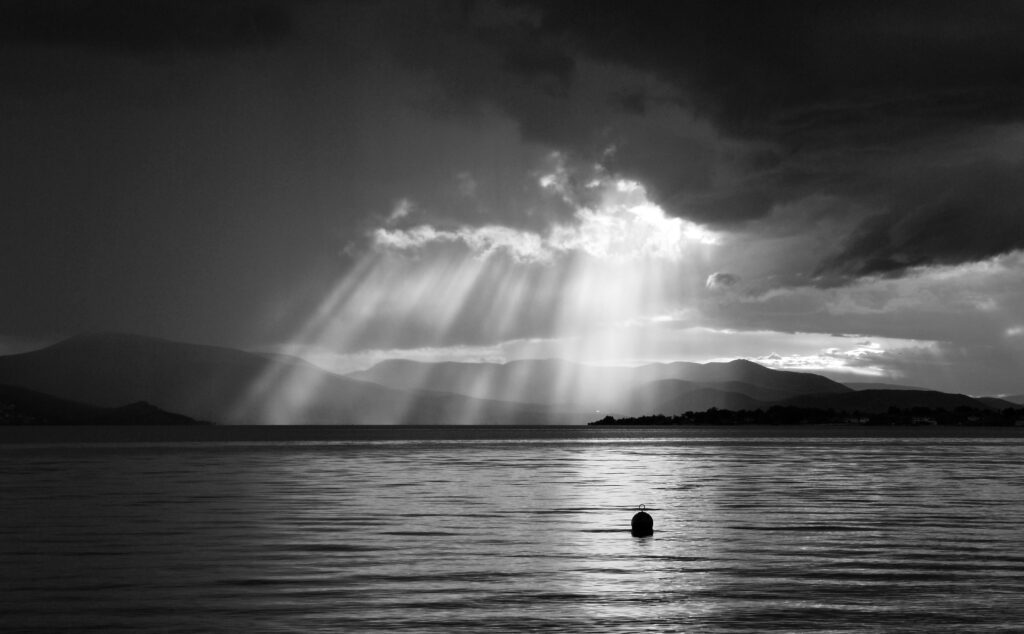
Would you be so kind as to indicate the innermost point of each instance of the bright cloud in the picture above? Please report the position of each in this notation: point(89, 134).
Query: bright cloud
point(866, 359)
point(624, 226)
point(482, 241)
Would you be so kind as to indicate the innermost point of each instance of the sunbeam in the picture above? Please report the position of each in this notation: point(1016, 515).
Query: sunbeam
point(616, 264)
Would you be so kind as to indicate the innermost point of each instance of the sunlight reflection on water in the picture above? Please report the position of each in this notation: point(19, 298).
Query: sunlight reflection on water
point(750, 536)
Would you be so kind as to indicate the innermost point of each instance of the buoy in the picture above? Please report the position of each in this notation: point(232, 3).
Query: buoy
point(643, 523)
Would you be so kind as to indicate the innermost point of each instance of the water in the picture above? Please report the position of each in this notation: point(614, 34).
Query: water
point(449, 531)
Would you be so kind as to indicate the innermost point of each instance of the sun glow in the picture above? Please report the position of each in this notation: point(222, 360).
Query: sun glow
point(625, 227)
point(620, 262)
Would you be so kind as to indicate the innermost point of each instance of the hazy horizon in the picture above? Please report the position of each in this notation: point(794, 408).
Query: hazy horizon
point(331, 365)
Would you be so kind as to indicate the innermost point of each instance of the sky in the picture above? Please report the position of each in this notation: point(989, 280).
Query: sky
point(831, 187)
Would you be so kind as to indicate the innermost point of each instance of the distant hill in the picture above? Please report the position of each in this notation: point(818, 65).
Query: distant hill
point(675, 396)
point(1017, 399)
point(113, 370)
point(743, 371)
point(881, 400)
point(755, 392)
point(147, 378)
point(868, 385)
point(231, 386)
point(19, 406)
point(624, 390)
point(998, 403)
point(534, 381)
point(142, 413)
point(705, 398)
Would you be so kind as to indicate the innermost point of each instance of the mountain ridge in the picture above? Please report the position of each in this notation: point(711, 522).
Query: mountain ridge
point(24, 407)
point(226, 385)
point(569, 384)
point(1015, 398)
point(232, 386)
point(876, 401)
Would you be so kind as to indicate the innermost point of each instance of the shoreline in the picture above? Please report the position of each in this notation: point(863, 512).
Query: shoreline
point(276, 434)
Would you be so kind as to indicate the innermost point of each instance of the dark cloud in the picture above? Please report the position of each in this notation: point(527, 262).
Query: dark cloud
point(728, 111)
point(631, 101)
point(143, 28)
point(549, 67)
point(973, 213)
point(725, 111)
point(761, 67)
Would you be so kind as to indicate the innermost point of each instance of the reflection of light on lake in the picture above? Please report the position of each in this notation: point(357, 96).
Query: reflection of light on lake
point(517, 530)
point(628, 577)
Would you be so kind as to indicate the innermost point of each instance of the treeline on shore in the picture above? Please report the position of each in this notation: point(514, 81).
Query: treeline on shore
point(786, 415)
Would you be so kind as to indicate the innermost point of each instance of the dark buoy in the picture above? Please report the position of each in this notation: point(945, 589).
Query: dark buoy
point(643, 524)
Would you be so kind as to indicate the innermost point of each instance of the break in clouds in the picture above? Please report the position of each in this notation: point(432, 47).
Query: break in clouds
point(624, 180)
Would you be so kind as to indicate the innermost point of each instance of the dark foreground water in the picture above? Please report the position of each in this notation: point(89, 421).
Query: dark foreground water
point(515, 530)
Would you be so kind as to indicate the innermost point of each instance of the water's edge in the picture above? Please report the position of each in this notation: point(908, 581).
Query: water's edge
point(57, 434)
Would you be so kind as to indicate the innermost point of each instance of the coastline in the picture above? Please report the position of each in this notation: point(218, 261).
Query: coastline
point(275, 434)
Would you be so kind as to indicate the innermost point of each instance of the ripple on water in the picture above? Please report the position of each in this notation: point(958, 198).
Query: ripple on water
point(750, 536)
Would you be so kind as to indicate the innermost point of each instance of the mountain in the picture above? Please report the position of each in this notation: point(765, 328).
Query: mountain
point(112, 370)
point(868, 385)
point(998, 403)
point(231, 386)
point(743, 371)
point(624, 390)
point(755, 392)
point(675, 396)
point(147, 378)
point(19, 406)
point(538, 381)
point(705, 398)
point(1017, 399)
point(873, 401)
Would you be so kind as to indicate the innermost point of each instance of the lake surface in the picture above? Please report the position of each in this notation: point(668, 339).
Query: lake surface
point(466, 530)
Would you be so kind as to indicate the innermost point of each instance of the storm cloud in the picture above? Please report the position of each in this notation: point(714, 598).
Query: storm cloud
point(727, 110)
